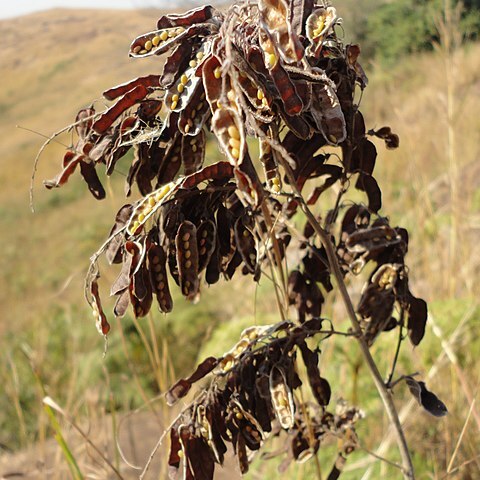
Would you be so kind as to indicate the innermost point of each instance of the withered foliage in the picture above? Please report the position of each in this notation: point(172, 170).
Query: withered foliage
point(275, 72)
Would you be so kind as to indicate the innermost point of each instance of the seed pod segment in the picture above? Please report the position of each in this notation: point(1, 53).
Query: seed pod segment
point(187, 259)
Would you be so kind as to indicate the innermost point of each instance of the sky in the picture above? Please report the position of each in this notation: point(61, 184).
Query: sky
point(21, 7)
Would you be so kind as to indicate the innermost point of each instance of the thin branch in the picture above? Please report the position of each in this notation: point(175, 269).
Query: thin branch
point(332, 257)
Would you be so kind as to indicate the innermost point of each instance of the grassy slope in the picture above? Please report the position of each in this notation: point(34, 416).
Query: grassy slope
point(51, 64)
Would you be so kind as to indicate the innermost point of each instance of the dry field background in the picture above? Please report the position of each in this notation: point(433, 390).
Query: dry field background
point(52, 64)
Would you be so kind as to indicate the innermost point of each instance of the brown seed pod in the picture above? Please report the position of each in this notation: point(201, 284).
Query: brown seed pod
point(101, 322)
point(206, 243)
point(245, 243)
point(228, 128)
point(158, 277)
point(187, 259)
point(193, 152)
point(282, 399)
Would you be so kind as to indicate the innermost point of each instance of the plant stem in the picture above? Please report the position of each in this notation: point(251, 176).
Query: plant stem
point(385, 395)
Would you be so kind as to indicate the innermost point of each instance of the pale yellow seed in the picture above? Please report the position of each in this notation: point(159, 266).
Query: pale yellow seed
point(184, 79)
point(234, 143)
point(146, 210)
point(235, 153)
point(265, 102)
point(231, 95)
point(172, 34)
point(189, 121)
point(137, 49)
point(179, 30)
point(271, 60)
point(141, 217)
point(148, 45)
point(260, 94)
point(193, 114)
point(199, 55)
point(219, 105)
point(246, 233)
point(276, 188)
point(175, 97)
point(163, 36)
point(239, 415)
point(233, 132)
point(276, 181)
point(332, 138)
point(173, 106)
point(192, 63)
point(156, 41)
point(188, 254)
point(180, 454)
point(200, 105)
point(135, 226)
point(194, 149)
point(180, 87)
point(143, 52)
point(217, 73)
point(187, 128)
point(151, 201)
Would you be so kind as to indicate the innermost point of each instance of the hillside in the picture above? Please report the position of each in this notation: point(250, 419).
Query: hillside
point(53, 63)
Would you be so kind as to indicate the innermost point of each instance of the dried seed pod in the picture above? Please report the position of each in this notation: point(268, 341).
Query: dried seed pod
point(319, 24)
point(193, 152)
point(127, 101)
point(206, 243)
point(101, 322)
point(282, 399)
point(149, 206)
point(158, 277)
point(274, 16)
point(228, 128)
point(157, 42)
point(149, 81)
point(187, 259)
point(245, 243)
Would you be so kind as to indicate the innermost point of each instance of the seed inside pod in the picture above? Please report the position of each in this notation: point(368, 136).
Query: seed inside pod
point(192, 63)
point(188, 264)
point(184, 79)
point(137, 49)
point(235, 153)
point(180, 87)
point(156, 41)
point(173, 106)
point(234, 143)
point(163, 36)
point(260, 94)
point(233, 132)
point(199, 55)
point(217, 73)
point(148, 45)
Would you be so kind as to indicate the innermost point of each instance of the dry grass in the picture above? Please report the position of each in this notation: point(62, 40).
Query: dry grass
point(51, 64)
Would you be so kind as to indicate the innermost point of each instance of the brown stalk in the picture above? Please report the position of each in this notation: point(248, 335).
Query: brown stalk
point(408, 470)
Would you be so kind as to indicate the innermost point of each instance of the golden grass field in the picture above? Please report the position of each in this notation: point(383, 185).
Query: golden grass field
point(52, 64)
